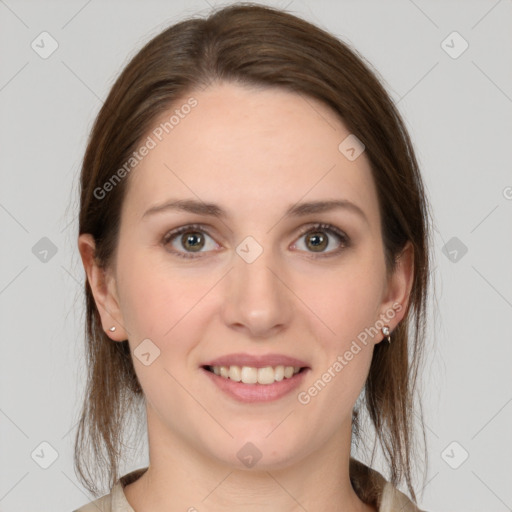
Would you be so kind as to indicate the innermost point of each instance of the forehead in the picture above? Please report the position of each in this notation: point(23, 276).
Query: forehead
point(248, 148)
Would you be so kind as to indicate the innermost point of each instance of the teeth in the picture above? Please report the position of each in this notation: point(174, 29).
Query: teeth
point(288, 372)
point(250, 375)
point(234, 373)
point(279, 373)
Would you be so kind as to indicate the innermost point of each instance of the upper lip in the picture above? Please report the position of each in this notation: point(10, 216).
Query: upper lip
point(260, 361)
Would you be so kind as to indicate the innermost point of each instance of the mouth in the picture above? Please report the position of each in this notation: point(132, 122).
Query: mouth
point(251, 385)
point(265, 375)
point(250, 378)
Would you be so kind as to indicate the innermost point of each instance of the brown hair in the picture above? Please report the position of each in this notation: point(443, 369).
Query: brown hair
point(263, 47)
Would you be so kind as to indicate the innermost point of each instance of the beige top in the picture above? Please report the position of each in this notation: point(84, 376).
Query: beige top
point(370, 486)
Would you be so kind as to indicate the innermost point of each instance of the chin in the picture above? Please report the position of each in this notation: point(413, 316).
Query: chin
point(259, 450)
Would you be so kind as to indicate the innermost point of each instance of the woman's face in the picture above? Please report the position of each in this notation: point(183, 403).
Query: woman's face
point(253, 286)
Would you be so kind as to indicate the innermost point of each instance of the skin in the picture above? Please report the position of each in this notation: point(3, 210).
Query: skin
point(254, 153)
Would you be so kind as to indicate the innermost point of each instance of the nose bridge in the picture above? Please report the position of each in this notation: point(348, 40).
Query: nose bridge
point(254, 273)
point(256, 297)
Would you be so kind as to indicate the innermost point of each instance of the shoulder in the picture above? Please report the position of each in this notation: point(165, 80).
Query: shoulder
point(115, 501)
point(374, 489)
point(103, 504)
point(392, 499)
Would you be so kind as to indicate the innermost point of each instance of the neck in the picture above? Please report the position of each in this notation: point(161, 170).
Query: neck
point(179, 477)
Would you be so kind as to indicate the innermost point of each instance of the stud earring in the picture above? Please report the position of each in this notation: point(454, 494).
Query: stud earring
point(386, 332)
point(112, 329)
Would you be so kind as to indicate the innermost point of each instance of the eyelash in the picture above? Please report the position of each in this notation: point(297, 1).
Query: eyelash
point(344, 239)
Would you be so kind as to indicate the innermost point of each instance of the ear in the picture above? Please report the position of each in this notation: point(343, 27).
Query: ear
point(398, 290)
point(103, 289)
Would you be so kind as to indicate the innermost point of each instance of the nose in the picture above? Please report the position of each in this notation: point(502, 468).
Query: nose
point(257, 302)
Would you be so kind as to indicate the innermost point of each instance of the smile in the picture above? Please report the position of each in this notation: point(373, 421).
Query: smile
point(252, 391)
point(251, 375)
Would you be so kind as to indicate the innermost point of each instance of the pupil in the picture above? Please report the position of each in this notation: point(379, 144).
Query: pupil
point(319, 241)
point(191, 241)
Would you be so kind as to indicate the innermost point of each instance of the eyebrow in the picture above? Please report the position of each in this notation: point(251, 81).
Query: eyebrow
point(214, 210)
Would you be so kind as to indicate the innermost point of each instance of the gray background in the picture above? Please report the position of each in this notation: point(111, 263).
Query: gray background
point(458, 111)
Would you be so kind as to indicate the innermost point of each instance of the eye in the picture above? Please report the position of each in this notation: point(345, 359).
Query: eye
point(192, 239)
point(317, 239)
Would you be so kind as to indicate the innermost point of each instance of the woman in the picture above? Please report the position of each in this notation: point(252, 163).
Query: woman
point(254, 231)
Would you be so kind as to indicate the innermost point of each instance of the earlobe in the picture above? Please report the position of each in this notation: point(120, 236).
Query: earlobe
point(103, 289)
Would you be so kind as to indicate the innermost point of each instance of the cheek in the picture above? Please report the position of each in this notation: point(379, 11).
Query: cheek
point(154, 298)
point(161, 306)
point(349, 306)
point(347, 301)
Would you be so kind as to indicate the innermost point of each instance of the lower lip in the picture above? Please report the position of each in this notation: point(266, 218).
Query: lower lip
point(249, 393)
